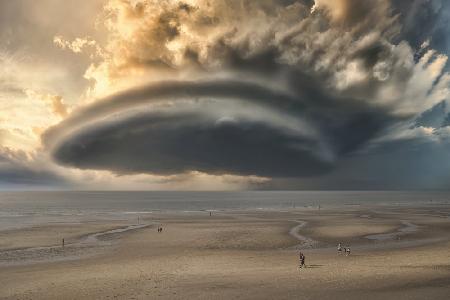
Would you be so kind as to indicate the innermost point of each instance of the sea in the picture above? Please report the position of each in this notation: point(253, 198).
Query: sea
point(28, 208)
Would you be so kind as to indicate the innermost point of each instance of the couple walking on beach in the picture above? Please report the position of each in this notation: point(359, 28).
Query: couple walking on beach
point(346, 249)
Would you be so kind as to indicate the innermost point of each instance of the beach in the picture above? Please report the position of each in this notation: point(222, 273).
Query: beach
point(400, 252)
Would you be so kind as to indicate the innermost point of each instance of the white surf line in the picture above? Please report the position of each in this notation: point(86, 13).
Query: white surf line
point(365, 216)
point(94, 237)
point(305, 241)
point(408, 227)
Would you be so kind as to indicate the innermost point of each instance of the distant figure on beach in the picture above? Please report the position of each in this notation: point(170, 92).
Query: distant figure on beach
point(63, 243)
point(159, 229)
point(301, 260)
point(339, 248)
point(210, 214)
point(347, 251)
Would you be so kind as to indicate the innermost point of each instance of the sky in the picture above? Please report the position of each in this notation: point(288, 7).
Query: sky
point(224, 94)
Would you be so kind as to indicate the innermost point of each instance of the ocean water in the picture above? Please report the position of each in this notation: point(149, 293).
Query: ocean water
point(18, 209)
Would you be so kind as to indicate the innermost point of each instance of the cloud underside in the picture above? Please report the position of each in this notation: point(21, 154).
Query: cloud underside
point(22, 176)
point(219, 127)
point(17, 169)
point(181, 143)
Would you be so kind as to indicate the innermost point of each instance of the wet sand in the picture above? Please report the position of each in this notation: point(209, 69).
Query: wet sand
point(398, 252)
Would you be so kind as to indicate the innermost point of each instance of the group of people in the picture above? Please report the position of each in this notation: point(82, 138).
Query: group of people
point(160, 229)
point(340, 249)
point(346, 249)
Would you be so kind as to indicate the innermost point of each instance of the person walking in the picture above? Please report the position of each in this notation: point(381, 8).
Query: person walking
point(300, 254)
point(347, 251)
point(301, 260)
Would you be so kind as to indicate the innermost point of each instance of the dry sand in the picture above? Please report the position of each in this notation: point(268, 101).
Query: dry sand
point(237, 255)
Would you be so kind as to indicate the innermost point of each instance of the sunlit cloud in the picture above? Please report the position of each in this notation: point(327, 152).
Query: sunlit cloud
point(229, 94)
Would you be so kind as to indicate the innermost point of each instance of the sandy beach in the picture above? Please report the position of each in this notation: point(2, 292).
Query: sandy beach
point(398, 252)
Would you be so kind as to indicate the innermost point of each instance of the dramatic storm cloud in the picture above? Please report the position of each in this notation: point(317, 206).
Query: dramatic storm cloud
point(303, 93)
point(230, 128)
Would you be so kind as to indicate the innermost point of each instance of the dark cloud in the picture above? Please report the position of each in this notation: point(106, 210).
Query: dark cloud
point(178, 143)
point(178, 90)
point(16, 169)
point(214, 135)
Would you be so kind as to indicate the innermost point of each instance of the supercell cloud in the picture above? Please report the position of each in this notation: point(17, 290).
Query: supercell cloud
point(306, 93)
point(230, 128)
